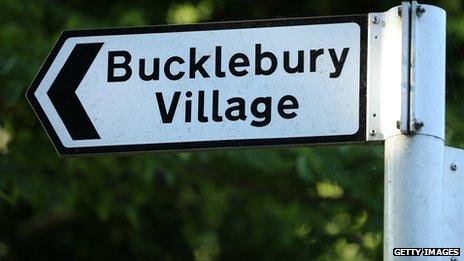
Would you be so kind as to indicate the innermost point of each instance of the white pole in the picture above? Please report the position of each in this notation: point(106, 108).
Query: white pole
point(414, 191)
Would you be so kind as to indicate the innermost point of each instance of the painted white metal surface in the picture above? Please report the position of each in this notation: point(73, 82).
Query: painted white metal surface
point(384, 75)
point(128, 112)
point(429, 70)
point(414, 195)
point(386, 72)
point(453, 195)
point(415, 185)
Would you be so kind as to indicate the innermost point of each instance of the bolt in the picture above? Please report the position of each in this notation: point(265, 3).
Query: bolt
point(420, 10)
point(373, 132)
point(453, 167)
point(398, 124)
point(418, 125)
point(453, 259)
point(399, 11)
point(375, 20)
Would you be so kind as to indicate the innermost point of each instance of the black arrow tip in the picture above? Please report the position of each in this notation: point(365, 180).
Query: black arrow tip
point(63, 95)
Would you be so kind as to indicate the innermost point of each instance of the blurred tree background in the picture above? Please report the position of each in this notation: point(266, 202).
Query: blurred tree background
point(318, 203)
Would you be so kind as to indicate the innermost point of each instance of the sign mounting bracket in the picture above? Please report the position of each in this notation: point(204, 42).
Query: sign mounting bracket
point(410, 13)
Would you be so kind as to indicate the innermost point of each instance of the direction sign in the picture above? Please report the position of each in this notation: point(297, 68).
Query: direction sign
point(252, 83)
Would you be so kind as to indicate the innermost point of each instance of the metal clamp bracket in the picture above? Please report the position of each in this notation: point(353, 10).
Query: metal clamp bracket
point(406, 69)
point(410, 13)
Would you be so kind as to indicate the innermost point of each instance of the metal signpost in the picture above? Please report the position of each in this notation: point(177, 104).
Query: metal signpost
point(375, 78)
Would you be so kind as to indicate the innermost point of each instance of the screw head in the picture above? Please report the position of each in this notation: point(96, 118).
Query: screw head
point(420, 10)
point(453, 167)
point(453, 259)
point(375, 20)
point(373, 132)
point(418, 125)
point(399, 10)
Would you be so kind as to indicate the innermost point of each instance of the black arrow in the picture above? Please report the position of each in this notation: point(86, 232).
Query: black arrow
point(63, 95)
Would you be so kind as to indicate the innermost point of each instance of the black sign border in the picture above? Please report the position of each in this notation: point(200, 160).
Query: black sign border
point(359, 136)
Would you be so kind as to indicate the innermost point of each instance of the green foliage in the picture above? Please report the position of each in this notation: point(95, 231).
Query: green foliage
point(319, 203)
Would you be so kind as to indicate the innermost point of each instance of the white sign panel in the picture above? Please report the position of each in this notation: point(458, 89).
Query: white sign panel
point(260, 83)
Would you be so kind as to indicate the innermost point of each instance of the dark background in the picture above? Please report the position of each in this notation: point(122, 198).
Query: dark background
point(318, 203)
